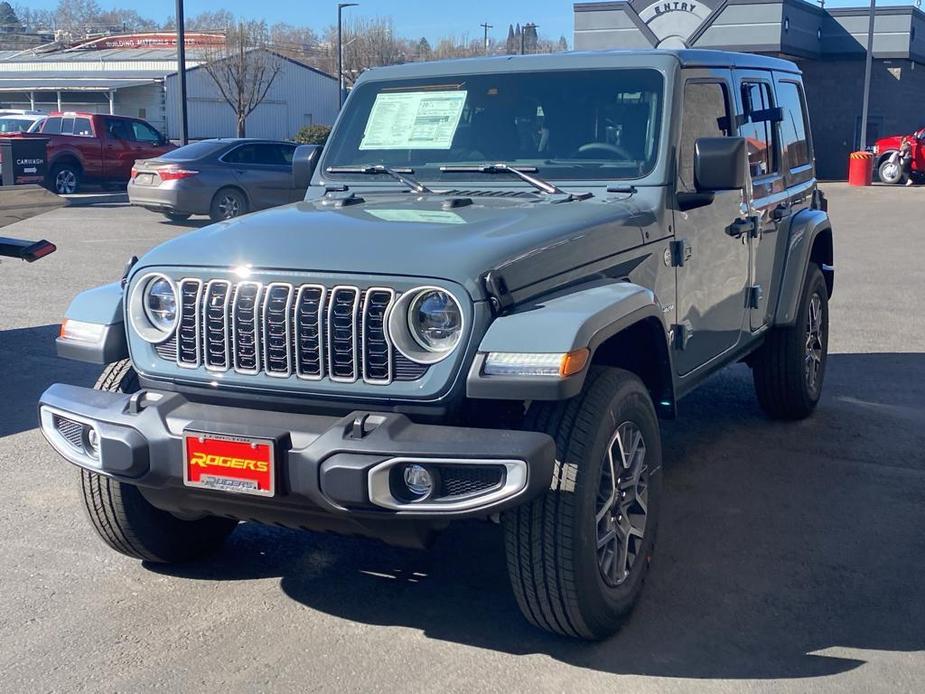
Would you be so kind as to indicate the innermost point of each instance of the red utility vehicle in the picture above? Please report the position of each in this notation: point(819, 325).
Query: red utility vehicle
point(888, 167)
point(96, 147)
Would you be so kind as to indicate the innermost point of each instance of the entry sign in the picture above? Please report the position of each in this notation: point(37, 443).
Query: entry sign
point(23, 160)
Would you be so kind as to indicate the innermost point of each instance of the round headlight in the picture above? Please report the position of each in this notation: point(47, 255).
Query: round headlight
point(426, 324)
point(152, 308)
point(435, 320)
point(160, 304)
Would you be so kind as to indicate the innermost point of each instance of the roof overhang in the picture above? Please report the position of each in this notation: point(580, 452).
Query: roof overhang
point(69, 84)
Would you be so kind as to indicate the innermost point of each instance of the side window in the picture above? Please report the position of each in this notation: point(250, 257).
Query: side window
point(67, 126)
point(245, 154)
point(287, 152)
point(82, 127)
point(142, 132)
point(756, 96)
point(52, 126)
point(706, 114)
point(118, 129)
point(794, 140)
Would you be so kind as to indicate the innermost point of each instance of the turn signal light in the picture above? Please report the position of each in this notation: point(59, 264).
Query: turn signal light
point(561, 364)
point(175, 174)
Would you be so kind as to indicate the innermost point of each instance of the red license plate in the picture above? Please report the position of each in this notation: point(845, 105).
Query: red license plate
point(236, 464)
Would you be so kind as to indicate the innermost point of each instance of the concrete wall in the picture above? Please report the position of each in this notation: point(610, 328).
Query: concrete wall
point(834, 92)
point(143, 102)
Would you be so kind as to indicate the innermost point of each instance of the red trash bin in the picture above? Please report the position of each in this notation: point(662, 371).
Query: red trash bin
point(860, 168)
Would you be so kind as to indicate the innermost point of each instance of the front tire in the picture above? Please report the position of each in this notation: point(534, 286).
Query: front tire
point(890, 172)
point(127, 522)
point(578, 555)
point(789, 368)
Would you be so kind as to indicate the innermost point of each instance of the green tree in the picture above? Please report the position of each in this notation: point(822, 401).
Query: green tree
point(9, 22)
point(313, 135)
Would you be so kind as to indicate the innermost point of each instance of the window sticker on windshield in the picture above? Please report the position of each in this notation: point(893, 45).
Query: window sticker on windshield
point(413, 120)
point(431, 216)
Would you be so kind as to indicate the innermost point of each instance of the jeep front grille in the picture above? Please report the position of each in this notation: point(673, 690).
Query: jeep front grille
point(308, 331)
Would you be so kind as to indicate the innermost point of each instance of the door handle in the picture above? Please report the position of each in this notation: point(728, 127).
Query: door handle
point(780, 212)
point(740, 227)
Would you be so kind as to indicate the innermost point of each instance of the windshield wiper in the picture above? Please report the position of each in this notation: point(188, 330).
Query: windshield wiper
point(402, 175)
point(522, 172)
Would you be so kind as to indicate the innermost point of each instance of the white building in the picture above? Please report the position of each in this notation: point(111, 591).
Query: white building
point(142, 82)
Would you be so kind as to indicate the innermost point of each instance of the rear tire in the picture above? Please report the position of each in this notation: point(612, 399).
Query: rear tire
point(127, 522)
point(577, 565)
point(789, 368)
point(177, 216)
point(228, 203)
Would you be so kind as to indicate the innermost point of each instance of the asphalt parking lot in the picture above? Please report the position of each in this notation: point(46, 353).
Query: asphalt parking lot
point(791, 556)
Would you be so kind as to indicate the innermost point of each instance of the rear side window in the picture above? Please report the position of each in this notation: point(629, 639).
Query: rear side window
point(52, 126)
point(196, 150)
point(82, 127)
point(756, 97)
point(706, 114)
point(794, 139)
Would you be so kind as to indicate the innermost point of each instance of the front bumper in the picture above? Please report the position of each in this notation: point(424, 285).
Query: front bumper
point(332, 472)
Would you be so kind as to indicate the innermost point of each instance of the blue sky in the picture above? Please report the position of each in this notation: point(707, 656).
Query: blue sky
point(431, 18)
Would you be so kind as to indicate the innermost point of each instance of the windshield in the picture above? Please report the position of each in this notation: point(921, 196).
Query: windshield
point(14, 125)
point(589, 124)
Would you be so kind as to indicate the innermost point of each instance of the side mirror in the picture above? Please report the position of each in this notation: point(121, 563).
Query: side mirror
point(720, 163)
point(304, 161)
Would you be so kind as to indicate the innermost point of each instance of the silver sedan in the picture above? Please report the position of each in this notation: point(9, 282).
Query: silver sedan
point(222, 178)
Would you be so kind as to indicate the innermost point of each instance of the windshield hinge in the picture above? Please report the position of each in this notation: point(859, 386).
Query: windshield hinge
point(498, 293)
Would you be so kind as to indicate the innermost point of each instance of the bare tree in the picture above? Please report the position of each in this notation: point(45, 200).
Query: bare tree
point(243, 69)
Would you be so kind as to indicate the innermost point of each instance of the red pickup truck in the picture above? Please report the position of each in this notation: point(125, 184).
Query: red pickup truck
point(890, 172)
point(95, 147)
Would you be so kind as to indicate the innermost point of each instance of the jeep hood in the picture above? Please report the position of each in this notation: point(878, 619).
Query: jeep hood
point(524, 239)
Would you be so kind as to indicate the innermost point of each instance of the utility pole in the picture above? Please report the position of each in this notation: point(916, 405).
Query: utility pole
point(181, 72)
point(340, 52)
point(486, 26)
point(867, 69)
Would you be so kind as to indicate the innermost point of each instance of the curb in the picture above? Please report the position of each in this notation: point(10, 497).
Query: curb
point(86, 200)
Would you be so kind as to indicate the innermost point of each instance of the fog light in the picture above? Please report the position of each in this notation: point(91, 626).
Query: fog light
point(419, 480)
point(92, 442)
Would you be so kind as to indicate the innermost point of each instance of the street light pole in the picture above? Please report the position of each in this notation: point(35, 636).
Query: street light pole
point(867, 70)
point(181, 72)
point(340, 51)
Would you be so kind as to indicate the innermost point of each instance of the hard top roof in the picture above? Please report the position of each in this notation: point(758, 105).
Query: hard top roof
point(655, 57)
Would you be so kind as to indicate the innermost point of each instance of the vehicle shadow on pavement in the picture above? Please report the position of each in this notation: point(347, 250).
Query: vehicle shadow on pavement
point(28, 365)
point(785, 548)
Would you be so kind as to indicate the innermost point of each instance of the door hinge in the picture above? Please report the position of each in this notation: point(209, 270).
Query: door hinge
point(755, 294)
point(680, 336)
point(680, 252)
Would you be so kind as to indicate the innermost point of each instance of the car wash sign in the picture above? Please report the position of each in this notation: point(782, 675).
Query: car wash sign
point(23, 160)
point(673, 22)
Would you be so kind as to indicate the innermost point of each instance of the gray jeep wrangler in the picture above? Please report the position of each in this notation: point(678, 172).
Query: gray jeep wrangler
point(504, 272)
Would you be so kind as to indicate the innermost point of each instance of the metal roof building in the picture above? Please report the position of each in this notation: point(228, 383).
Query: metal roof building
point(829, 45)
point(141, 82)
